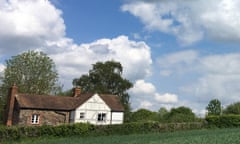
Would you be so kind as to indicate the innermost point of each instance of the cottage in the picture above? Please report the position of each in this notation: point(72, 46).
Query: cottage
point(94, 108)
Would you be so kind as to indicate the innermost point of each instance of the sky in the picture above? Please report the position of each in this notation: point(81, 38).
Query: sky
point(176, 53)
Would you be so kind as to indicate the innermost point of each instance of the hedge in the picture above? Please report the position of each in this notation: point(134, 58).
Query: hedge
point(146, 127)
point(223, 121)
point(17, 132)
point(83, 129)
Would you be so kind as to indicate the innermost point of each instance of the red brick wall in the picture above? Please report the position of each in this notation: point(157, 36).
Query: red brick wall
point(10, 105)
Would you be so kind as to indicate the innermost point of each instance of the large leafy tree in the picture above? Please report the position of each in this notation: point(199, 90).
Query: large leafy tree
point(33, 72)
point(106, 77)
point(214, 107)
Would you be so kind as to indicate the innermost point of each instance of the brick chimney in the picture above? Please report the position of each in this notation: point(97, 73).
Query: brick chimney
point(77, 91)
point(10, 104)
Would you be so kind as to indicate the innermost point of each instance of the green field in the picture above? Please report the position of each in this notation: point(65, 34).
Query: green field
point(217, 136)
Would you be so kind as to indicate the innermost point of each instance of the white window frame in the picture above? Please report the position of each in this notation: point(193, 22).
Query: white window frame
point(102, 117)
point(35, 118)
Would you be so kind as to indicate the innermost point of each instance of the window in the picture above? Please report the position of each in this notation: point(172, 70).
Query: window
point(35, 119)
point(82, 115)
point(102, 117)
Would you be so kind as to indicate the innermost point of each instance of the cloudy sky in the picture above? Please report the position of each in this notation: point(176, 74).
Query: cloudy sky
point(176, 52)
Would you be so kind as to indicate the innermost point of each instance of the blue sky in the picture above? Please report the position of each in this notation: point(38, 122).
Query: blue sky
point(174, 52)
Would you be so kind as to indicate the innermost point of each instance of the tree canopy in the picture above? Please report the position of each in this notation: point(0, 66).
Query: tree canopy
point(105, 77)
point(143, 115)
point(232, 108)
point(214, 107)
point(180, 114)
point(33, 72)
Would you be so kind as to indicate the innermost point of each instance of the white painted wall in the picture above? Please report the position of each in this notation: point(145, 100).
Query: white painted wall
point(91, 108)
point(117, 117)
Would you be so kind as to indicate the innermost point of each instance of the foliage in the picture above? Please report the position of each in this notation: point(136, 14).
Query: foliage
point(232, 109)
point(106, 78)
point(33, 72)
point(84, 129)
point(65, 93)
point(206, 136)
point(143, 115)
point(223, 121)
point(162, 113)
point(180, 114)
point(214, 107)
point(15, 133)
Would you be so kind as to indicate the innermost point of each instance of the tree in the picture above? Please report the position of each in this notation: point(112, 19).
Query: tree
point(232, 108)
point(180, 114)
point(33, 72)
point(214, 107)
point(162, 112)
point(106, 78)
point(143, 115)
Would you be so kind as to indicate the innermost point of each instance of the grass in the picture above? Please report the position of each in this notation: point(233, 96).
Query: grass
point(215, 136)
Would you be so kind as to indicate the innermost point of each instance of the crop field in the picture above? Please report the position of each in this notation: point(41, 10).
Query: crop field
point(214, 136)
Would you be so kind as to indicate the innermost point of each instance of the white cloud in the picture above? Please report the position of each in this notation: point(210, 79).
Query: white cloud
point(145, 95)
point(142, 87)
point(226, 64)
point(189, 21)
point(146, 104)
point(129, 53)
point(180, 62)
point(2, 67)
point(205, 77)
point(183, 57)
point(166, 98)
point(28, 24)
point(38, 25)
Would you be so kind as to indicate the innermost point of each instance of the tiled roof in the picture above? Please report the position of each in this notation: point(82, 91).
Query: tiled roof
point(46, 102)
point(113, 102)
point(63, 103)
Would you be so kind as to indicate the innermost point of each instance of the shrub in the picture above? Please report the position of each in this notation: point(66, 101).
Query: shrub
point(180, 115)
point(232, 109)
point(224, 121)
point(83, 129)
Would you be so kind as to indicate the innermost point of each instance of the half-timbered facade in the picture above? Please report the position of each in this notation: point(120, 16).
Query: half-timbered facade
point(98, 109)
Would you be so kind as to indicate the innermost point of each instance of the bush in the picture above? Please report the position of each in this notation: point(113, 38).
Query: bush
point(232, 109)
point(143, 115)
point(83, 129)
point(180, 115)
point(224, 121)
point(17, 132)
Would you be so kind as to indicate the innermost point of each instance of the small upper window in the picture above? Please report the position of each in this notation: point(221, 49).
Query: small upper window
point(82, 115)
point(35, 119)
point(102, 117)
